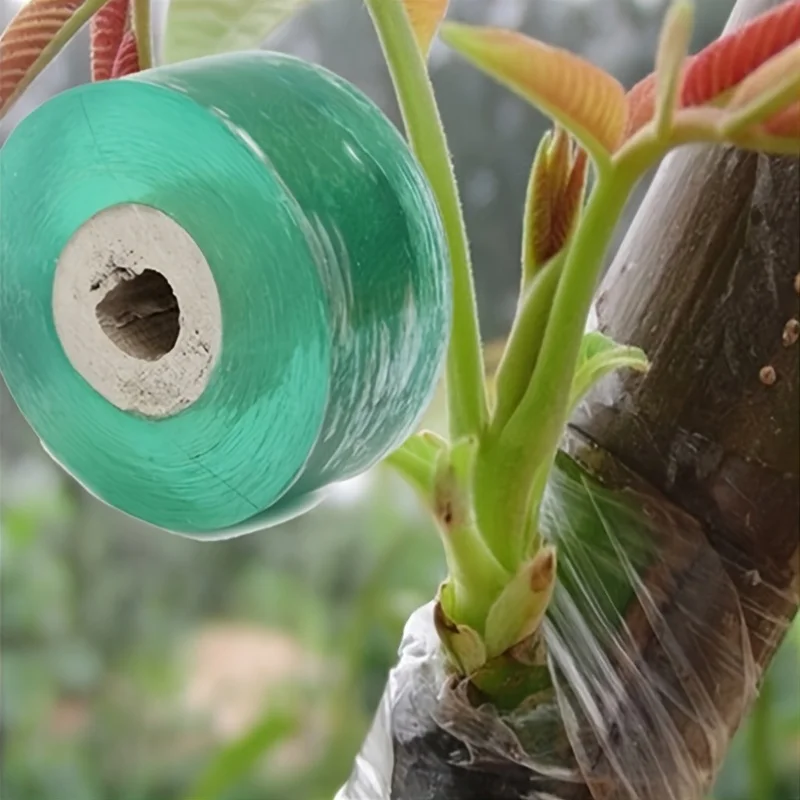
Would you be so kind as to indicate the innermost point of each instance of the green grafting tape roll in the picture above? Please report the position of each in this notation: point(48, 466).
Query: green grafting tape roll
point(224, 286)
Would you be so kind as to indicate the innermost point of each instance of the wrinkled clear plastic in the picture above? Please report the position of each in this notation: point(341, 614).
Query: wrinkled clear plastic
point(648, 654)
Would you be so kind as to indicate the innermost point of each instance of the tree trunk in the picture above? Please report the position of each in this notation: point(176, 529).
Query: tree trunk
point(706, 282)
point(714, 424)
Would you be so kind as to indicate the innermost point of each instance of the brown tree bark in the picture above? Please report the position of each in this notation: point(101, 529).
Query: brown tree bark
point(706, 285)
point(707, 282)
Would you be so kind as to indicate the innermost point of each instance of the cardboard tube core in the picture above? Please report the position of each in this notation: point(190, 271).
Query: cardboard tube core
point(137, 310)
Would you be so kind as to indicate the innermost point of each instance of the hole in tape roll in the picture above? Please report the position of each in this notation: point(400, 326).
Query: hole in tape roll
point(141, 315)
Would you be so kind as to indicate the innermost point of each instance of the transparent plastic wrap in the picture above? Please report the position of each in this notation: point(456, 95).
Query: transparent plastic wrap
point(648, 667)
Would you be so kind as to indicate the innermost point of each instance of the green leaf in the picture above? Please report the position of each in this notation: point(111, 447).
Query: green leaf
point(598, 356)
point(673, 48)
point(198, 28)
point(519, 610)
point(462, 643)
point(234, 762)
point(416, 460)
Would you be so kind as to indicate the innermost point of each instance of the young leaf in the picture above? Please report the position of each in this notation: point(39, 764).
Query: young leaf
point(107, 30)
point(779, 135)
point(729, 60)
point(462, 644)
point(583, 98)
point(426, 16)
point(786, 123)
point(766, 92)
point(519, 610)
point(416, 461)
point(536, 219)
point(707, 76)
point(553, 202)
point(569, 203)
point(559, 159)
point(127, 60)
point(552, 210)
point(600, 355)
point(672, 50)
point(33, 38)
point(205, 27)
point(641, 105)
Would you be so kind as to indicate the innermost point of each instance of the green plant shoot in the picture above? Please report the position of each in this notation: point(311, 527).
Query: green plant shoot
point(484, 483)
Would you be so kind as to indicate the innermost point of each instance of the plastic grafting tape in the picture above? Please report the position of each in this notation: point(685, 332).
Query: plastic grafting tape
point(224, 285)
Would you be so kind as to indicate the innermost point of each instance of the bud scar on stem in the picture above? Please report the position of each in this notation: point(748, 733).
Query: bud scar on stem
point(137, 310)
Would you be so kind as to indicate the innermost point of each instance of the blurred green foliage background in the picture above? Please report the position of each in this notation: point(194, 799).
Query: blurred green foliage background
point(137, 665)
point(142, 666)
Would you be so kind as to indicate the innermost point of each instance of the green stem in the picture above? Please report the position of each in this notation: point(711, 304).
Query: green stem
point(144, 36)
point(466, 389)
point(509, 472)
point(476, 577)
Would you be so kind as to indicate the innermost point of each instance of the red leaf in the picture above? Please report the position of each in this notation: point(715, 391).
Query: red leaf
point(641, 101)
point(729, 60)
point(555, 196)
point(568, 206)
point(559, 160)
point(108, 28)
point(35, 27)
point(127, 60)
point(576, 94)
point(722, 65)
point(539, 201)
